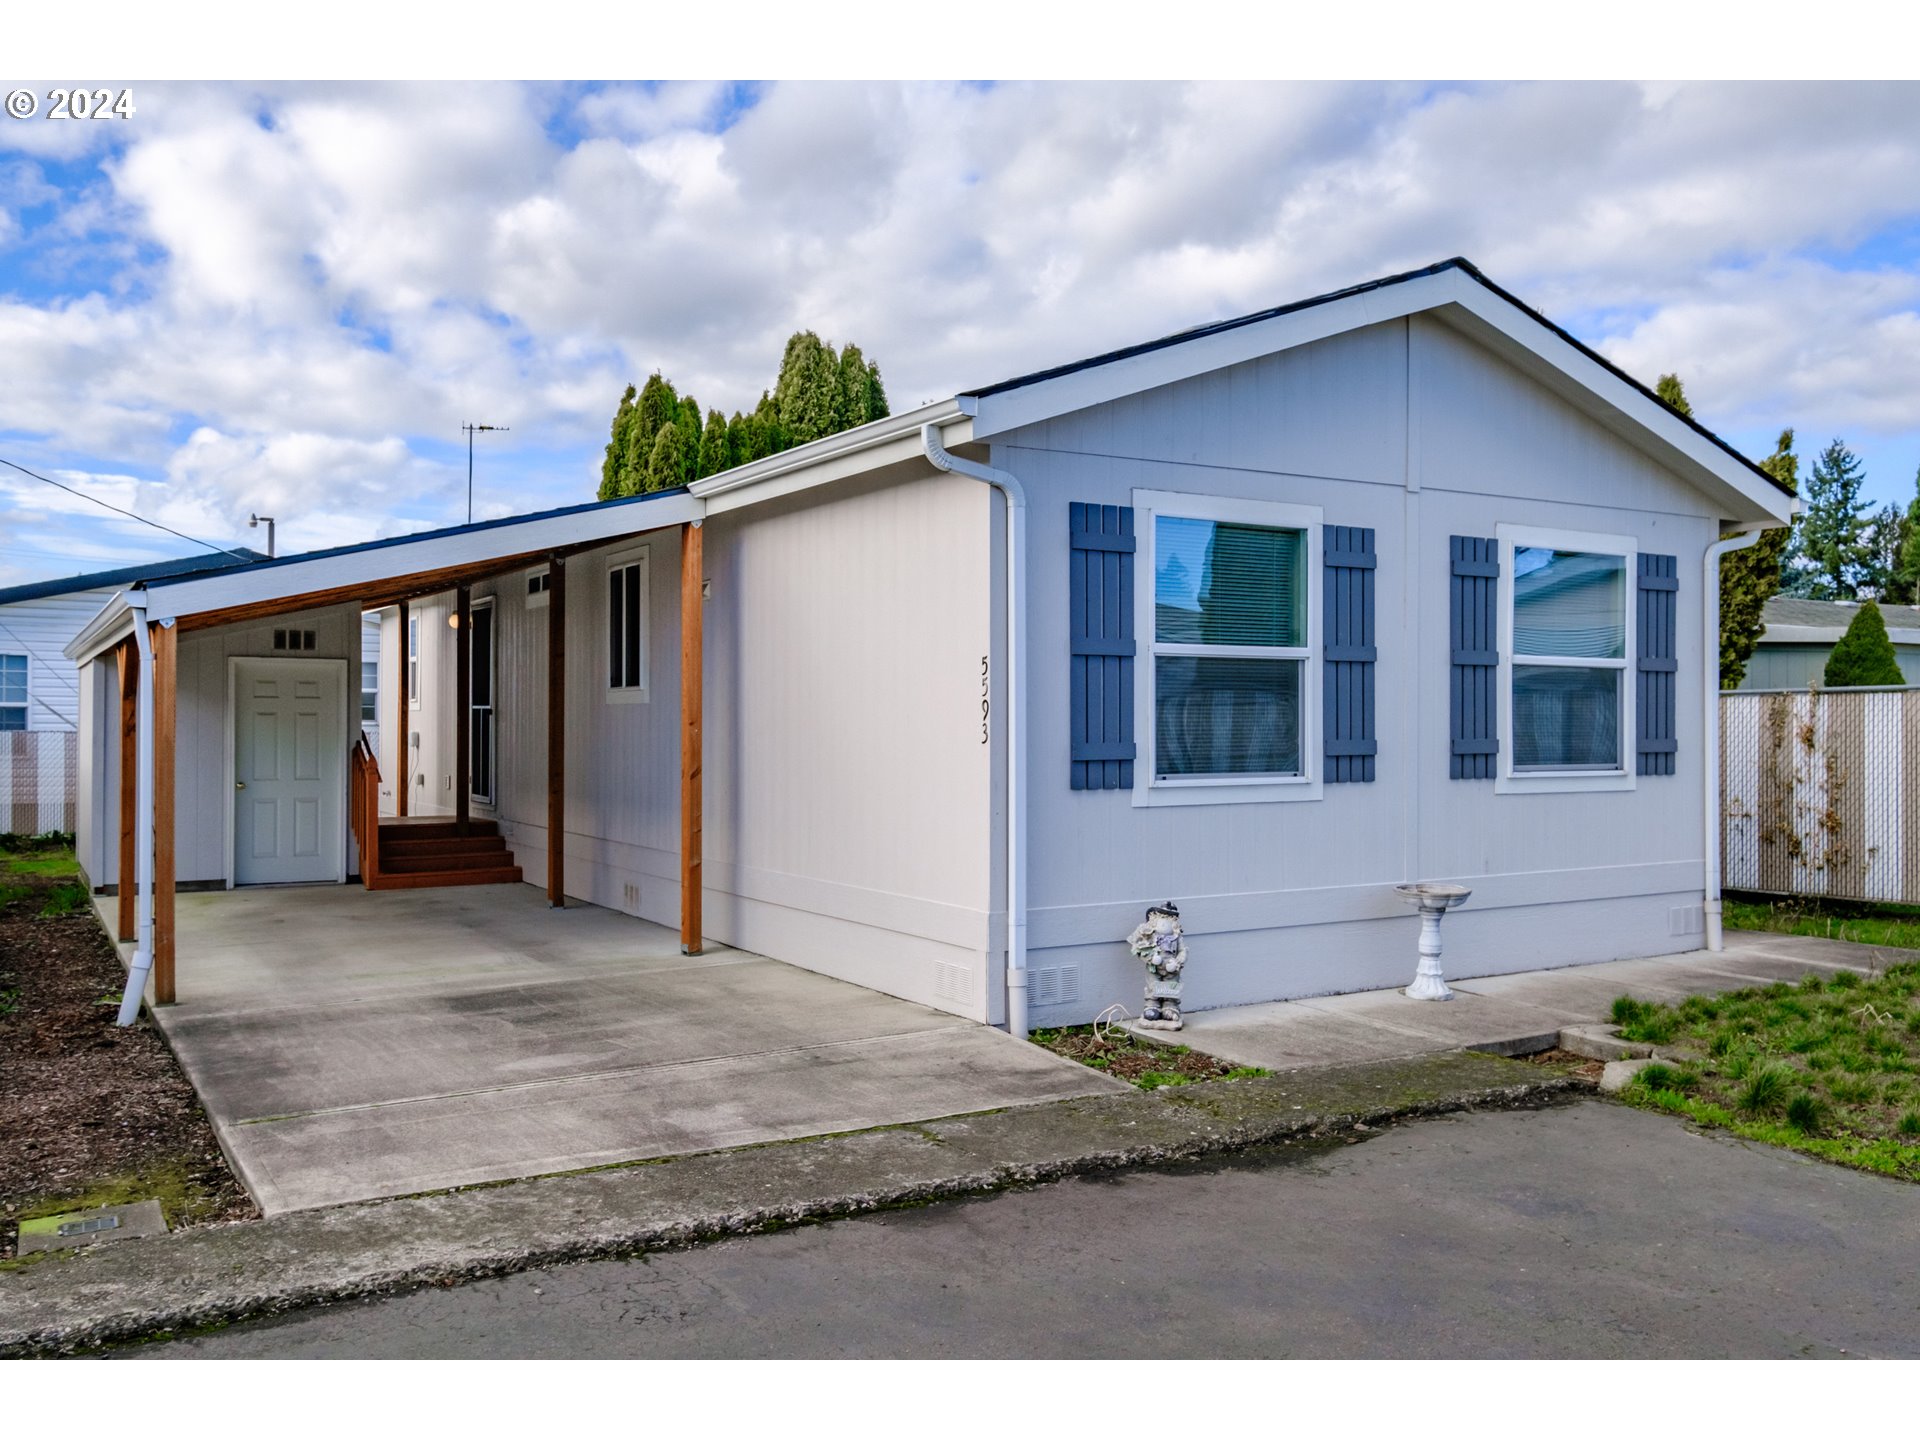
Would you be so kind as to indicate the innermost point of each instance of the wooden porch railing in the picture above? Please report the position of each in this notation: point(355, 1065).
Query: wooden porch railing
point(364, 804)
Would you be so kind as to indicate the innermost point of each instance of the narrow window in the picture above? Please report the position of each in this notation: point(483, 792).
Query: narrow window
point(413, 662)
point(370, 692)
point(627, 626)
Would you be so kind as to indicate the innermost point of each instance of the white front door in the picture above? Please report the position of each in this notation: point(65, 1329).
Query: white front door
point(288, 771)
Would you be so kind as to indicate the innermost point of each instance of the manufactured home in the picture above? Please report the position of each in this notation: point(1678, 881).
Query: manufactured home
point(1400, 583)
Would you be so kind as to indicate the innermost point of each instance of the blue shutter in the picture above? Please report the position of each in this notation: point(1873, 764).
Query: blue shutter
point(1348, 652)
point(1659, 592)
point(1100, 622)
point(1475, 627)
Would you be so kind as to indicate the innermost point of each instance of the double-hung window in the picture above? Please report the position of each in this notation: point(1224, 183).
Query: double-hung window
point(1228, 682)
point(1568, 658)
point(627, 626)
point(13, 692)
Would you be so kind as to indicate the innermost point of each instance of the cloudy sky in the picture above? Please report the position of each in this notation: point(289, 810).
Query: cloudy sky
point(287, 299)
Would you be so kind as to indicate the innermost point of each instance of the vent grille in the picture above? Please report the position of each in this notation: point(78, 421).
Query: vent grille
point(950, 982)
point(1053, 985)
point(1687, 920)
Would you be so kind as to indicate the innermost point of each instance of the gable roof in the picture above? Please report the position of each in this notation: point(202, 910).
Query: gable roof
point(1456, 292)
point(129, 575)
point(1790, 620)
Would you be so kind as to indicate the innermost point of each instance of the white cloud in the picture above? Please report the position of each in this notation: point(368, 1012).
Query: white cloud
point(317, 284)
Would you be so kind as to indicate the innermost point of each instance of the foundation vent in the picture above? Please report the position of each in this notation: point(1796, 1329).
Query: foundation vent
point(630, 898)
point(1687, 920)
point(1053, 985)
point(951, 982)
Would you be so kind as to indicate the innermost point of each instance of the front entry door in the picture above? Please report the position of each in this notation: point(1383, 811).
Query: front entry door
point(289, 771)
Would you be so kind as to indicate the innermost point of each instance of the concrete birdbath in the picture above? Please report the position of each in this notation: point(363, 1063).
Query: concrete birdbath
point(1434, 899)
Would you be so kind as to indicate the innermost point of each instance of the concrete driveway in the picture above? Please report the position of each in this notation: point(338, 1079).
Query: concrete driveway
point(353, 1045)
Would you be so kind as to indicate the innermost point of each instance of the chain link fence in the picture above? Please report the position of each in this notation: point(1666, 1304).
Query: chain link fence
point(37, 780)
point(1820, 793)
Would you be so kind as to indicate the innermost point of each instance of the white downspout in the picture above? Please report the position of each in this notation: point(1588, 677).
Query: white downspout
point(142, 877)
point(1016, 499)
point(1710, 715)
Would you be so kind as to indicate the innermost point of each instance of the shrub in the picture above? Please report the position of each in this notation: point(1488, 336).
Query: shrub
point(1864, 655)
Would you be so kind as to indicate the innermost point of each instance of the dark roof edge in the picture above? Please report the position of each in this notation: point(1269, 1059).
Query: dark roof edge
point(1458, 262)
point(186, 565)
point(472, 529)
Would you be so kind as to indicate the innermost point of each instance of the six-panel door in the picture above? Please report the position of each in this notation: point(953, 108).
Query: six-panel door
point(289, 758)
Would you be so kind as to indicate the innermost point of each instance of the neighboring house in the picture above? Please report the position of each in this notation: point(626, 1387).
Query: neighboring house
point(1800, 635)
point(39, 689)
point(1401, 583)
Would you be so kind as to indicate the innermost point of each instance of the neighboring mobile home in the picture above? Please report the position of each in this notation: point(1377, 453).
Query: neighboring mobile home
point(1800, 635)
point(1401, 583)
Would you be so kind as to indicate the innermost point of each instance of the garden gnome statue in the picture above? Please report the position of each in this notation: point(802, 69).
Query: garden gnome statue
point(1159, 944)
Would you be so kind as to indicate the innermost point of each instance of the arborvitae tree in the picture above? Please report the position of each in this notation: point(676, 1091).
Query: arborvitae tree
point(667, 463)
point(613, 468)
point(713, 446)
point(877, 408)
point(1751, 577)
point(1865, 655)
point(807, 393)
point(1669, 389)
point(1906, 571)
point(1828, 551)
point(860, 389)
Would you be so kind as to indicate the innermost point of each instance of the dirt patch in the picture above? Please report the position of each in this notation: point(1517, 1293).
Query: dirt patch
point(92, 1114)
point(1136, 1061)
point(1566, 1061)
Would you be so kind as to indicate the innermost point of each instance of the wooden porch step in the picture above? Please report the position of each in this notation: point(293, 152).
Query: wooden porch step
point(393, 849)
point(443, 864)
point(432, 827)
point(428, 879)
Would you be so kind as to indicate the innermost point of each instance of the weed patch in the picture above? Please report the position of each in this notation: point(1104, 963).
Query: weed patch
point(1151, 1067)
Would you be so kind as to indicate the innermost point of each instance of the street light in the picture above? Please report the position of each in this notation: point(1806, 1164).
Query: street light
point(254, 521)
point(470, 430)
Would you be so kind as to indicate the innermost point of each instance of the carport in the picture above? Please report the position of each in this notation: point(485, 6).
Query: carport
point(353, 1045)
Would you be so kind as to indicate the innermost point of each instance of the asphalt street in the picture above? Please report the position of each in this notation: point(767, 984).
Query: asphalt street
point(1579, 1230)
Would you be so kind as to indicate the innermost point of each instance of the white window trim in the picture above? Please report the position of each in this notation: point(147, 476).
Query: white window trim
point(1552, 782)
point(630, 694)
point(536, 599)
point(1235, 790)
point(26, 705)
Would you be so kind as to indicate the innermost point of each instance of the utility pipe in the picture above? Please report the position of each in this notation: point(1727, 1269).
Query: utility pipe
point(142, 877)
point(1711, 798)
point(1015, 659)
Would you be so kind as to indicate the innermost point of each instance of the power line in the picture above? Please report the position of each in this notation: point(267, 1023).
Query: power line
point(106, 504)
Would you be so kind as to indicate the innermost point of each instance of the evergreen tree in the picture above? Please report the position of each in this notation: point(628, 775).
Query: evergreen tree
point(1751, 577)
point(1906, 571)
point(713, 446)
point(1865, 654)
point(877, 408)
point(861, 396)
point(613, 469)
point(1880, 572)
point(1669, 389)
point(667, 462)
point(807, 394)
point(1828, 551)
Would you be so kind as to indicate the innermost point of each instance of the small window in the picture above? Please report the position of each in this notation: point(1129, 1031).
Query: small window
point(413, 662)
point(1569, 659)
point(539, 587)
point(295, 640)
point(13, 692)
point(370, 692)
point(627, 626)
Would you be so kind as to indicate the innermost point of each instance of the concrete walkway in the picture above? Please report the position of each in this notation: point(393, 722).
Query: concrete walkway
point(352, 1045)
point(1502, 1014)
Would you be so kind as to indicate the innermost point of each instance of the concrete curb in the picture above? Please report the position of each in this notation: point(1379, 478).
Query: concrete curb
point(217, 1275)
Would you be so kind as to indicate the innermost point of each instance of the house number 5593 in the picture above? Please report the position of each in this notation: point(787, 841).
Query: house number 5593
point(986, 697)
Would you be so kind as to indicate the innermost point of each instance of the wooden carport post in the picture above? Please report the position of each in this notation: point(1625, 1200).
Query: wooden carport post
point(402, 750)
point(127, 654)
point(691, 661)
point(166, 641)
point(557, 731)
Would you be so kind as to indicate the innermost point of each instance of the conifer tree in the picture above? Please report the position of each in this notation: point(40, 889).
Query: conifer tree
point(713, 446)
point(1906, 571)
point(1751, 577)
point(613, 468)
point(807, 394)
point(1828, 551)
point(1865, 654)
point(667, 462)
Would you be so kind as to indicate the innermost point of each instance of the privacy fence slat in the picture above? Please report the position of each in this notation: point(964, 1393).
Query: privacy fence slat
point(1821, 793)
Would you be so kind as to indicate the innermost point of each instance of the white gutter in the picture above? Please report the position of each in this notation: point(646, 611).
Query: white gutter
point(142, 877)
point(1015, 661)
point(1710, 795)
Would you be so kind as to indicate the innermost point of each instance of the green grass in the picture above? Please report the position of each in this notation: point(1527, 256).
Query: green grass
point(1827, 1066)
point(64, 900)
point(1894, 926)
point(56, 863)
